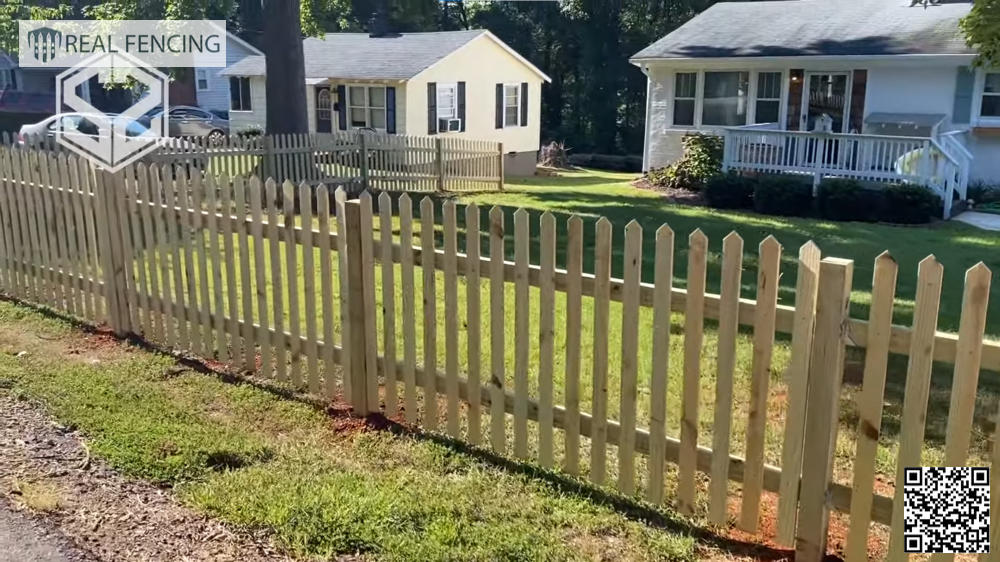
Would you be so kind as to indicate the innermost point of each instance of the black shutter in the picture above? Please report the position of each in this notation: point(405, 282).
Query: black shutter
point(390, 110)
point(234, 93)
point(499, 106)
point(432, 112)
point(13, 79)
point(342, 107)
point(965, 81)
point(524, 104)
point(461, 104)
point(245, 90)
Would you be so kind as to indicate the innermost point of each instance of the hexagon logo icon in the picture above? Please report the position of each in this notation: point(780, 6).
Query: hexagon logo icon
point(112, 141)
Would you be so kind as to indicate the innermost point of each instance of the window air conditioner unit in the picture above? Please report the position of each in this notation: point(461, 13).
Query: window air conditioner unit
point(449, 125)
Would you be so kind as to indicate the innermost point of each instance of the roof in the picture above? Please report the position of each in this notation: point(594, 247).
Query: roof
point(815, 28)
point(359, 56)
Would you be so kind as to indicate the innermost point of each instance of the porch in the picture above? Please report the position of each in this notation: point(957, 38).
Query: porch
point(941, 162)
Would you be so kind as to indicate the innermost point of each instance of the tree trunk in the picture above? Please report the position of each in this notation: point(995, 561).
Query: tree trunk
point(286, 80)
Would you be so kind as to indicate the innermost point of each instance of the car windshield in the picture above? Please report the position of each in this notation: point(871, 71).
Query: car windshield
point(132, 128)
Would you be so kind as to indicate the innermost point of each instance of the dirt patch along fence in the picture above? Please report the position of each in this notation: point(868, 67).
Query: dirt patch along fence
point(352, 159)
point(375, 300)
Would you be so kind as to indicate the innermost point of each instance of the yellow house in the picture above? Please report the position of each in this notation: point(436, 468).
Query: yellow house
point(467, 84)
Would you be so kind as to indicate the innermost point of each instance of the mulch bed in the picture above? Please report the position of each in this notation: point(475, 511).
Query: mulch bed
point(678, 196)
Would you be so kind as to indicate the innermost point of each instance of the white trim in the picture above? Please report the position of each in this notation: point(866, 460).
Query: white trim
point(646, 131)
point(978, 91)
point(520, 104)
point(367, 105)
point(241, 42)
point(453, 86)
point(754, 96)
point(487, 33)
point(849, 83)
point(197, 80)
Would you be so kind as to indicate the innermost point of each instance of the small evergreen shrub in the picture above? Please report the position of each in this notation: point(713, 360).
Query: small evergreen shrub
point(783, 195)
point(702, 160)
point(982, 192)
point(730, 191)
point(848, 200)
point(909, 204)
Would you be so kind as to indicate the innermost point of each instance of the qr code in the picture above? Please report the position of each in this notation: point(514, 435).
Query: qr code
point(946, 509)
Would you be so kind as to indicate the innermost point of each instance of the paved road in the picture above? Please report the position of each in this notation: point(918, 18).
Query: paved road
point(22, 539)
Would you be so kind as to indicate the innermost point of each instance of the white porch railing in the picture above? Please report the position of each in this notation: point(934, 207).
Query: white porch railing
point(941, 163)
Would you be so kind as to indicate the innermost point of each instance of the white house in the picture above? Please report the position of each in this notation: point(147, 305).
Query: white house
point(463, 83)
point(873, 89)
point(211, 87)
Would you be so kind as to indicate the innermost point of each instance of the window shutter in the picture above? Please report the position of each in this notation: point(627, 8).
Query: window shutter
point(964, 84)
point(13, 79)
point(390, 110)
point(234, 93)
point(461, 104)
point(432, 113)
point(342, 107)
point(499, 106)
point(524, 104)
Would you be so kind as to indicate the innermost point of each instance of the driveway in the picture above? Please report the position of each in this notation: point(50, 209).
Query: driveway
point(22, 538)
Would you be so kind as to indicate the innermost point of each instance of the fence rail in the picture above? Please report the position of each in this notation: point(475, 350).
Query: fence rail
point(352, 159)
point(292, 282)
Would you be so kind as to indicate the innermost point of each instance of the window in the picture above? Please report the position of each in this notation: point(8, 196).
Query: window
point(366, 106)
point(6, 79)
point(725, 98)
point(511, 105)
point(768, 104)
point(201, 79)
point(991, 95)
point(685, 89)
point(447, 105)
point(239, 94)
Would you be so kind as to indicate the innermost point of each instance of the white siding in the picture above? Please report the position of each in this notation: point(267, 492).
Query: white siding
point(239, 121)
point(911, 90)
point(217, 95)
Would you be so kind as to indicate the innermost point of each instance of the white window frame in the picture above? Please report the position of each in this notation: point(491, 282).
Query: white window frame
point(365, 105)
point(979, 91)
point(755, 97)
point(699, 100)
point(199, 75)
point(453, 114)
point(520, 104)
point(249, 94)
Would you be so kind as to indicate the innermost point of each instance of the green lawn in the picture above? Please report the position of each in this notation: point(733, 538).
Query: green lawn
point(257, 459)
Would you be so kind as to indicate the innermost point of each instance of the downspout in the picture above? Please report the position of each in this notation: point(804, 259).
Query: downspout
point(645, 134)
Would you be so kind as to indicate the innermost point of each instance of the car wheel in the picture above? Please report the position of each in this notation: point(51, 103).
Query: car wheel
point(216, 136)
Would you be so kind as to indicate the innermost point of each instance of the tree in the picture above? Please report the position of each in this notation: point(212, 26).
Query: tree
point(982, 31)
point(286, 75)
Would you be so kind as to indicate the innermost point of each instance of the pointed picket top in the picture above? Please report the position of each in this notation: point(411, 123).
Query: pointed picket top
point(140, 168)
point(574, 220)
point(269, 184)
point(930, 266)
point(664, 232)
point(978, 270)
point(520, 214)
point(810, 251)
point(885, 259)
point(384, 201)
point(769, 244)
point(404, 200)
point(603, 222)
point(697, 238)
point(633, 226)
point(427, 207)
point(449, 206)
point(471, 212)
point(548, 220)
point(254, 182)
point(732, 240)
point(496, 222)
point(496, 212)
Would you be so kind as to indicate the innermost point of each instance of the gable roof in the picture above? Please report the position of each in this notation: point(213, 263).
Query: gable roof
point(359, 56)
point(815, 28)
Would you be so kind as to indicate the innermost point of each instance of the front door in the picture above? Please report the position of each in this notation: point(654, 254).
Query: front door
point(825, 98)
point(324, 113)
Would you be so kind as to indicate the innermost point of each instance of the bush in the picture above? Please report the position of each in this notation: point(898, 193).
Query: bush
point(702, 160)
point(848, 200)
point(909, 204)
point(730, 191)
point(982, 192)
point(612, 162)
point(782, 195)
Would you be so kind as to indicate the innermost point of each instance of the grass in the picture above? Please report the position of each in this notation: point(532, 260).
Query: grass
point(256, 459)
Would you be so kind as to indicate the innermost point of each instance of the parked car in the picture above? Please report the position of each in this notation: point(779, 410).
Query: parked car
point(189, 121)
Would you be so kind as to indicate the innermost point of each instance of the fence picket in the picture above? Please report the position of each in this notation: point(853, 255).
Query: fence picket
point(451, 316)
point(498, 427)
point(200, 228)
point(574, 274)
point(326, 289)
point(309, 286)
point(663, 280)
point(388, 304)
point(632, 277)
point(187, 187)
point(693, 327)
point(870, 404)
point(59, 193)
point(371, 343)
point(546, 337)
point(292, 281)
point(796, 378)
point(599, 402)
point(218, 317)
point(409, 308)
point(8, 213)
point(473, 323)
point(918, 380)
point(340, 198)
point(260, 278)
point(277, 286)
point(427, 257)
point(171, 179)
point(249, 360)
point(732, 269)
point(763, 344)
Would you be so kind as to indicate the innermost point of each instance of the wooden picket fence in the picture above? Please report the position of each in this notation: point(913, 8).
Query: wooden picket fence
point(352, 159)
point(292, 282)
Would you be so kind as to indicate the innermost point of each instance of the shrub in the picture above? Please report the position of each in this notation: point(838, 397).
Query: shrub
point(730, 191)
point(782, 195)
point(909, 204)
point(982, 192)
point(701, 161)
point(848, 200)
point(250, 131)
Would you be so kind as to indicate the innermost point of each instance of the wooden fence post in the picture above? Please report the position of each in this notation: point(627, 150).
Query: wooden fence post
point(500, 165)
point(826, 369)
point(439, 163)
point(363, 153)
point(268, 164)
point(111, 247)
point(355, 332)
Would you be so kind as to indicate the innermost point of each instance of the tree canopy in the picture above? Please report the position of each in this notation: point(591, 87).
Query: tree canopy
point(982, 30)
